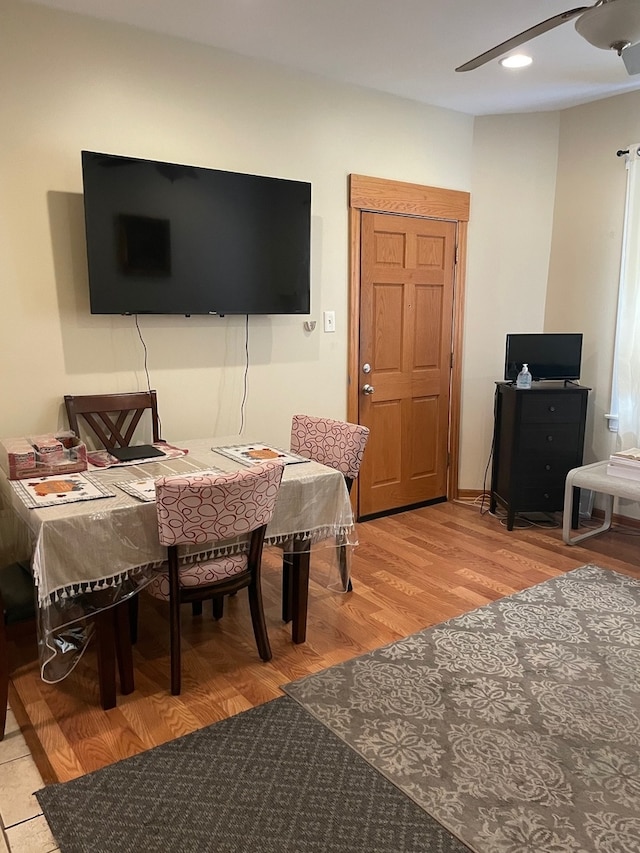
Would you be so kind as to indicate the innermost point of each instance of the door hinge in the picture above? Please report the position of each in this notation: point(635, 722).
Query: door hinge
point(451, 361)
point(455, 260)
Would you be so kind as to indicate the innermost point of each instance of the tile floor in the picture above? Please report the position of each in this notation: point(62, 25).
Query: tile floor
point(23, 827)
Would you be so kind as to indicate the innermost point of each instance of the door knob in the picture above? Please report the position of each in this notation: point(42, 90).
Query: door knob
point(368, 389)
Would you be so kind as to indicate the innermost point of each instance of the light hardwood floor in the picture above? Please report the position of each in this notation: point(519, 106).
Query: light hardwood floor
point(410, 571)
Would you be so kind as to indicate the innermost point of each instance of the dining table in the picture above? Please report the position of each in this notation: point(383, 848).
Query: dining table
point(88, 556)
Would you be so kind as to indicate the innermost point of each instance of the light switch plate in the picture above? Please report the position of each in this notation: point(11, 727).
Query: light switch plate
point(329, 318)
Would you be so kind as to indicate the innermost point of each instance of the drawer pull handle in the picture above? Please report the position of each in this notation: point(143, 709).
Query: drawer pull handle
point(549, 438)
point(547, 467)
point(546, 496)
point(552, 408)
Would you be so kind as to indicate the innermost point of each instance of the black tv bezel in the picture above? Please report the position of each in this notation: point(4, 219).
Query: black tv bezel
point(537, 369)
point(198, 304)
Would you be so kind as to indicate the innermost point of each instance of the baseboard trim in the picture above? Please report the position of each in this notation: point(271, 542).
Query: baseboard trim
point(400, 509)
point(470, 496)
point(622, 520)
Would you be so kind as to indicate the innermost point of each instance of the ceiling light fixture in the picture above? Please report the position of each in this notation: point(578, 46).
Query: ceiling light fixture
point(516, 60)
point(611, 25)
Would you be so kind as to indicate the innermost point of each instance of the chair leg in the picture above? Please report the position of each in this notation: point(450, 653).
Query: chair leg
point(343, 550)
point(300, 585)
point(217, 607)
point(4, 680)
point(196, 608)
point(113, 637)
point(287, 587)
point(174, 626)
point(133, 617)
point(344, 567)
point(105, 638)
point(124, 652)
point(258, 620)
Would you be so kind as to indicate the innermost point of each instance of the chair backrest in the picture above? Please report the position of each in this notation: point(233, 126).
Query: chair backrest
point(113, 417)
point(200, 508)
point(338, 444)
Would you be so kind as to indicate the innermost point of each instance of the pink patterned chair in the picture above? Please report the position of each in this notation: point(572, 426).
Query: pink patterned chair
point(209, 508)
point(339, 445)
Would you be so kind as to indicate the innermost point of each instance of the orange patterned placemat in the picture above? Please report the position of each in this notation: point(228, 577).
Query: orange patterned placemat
point(254, 454)
point(60, 489)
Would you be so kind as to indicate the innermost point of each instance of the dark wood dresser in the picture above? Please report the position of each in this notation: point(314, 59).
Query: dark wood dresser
point(538, 437)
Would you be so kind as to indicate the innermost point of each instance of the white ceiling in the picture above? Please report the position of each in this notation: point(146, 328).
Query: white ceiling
point(405, 47)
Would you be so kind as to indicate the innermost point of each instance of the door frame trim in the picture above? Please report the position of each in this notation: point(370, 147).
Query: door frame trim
point(380, 195)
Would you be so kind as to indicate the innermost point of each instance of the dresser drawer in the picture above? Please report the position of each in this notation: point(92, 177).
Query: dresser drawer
point(549, 438)
point(541, 499)
point(550, 469)
point(551, 408)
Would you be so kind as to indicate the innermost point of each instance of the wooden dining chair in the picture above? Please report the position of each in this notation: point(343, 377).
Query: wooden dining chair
point(203, 510)
point(339, 445)
point(113, 418)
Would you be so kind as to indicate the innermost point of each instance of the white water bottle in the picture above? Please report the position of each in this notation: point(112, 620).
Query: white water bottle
point(523, 379)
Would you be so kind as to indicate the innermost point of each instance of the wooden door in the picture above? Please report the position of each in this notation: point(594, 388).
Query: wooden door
point(406, 323)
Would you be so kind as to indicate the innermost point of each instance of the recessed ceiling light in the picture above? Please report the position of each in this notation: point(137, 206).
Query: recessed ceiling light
point(516, 60)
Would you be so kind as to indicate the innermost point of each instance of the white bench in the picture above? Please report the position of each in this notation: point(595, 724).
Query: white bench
point(596, 478)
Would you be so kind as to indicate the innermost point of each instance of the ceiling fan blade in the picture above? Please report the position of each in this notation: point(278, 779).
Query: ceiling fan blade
point(631, 59)
point(527, 35)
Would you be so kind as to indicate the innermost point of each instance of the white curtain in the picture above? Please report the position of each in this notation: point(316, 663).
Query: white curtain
point(624, 417)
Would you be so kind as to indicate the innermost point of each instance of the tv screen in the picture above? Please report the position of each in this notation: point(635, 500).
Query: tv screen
point(169, 239)
point(549, 356)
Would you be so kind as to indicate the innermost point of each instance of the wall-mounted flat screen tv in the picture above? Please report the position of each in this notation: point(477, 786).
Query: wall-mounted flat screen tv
point(164, 238)
point(549, 356)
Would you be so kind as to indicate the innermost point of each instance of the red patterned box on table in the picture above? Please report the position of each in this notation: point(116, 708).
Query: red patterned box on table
point(48, 448)
point(47, 455)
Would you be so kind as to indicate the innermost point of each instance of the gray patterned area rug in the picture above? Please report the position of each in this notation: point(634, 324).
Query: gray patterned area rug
point(516, 726)
point(269, 780)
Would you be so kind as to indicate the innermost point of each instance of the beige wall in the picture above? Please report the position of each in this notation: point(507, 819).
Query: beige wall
point(587, 235)
point(81, 84)
point(557, 267)
point(512, 193)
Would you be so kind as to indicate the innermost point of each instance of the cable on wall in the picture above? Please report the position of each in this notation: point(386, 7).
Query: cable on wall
point(246, 372)
point(146, 369)
point(146, 354)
